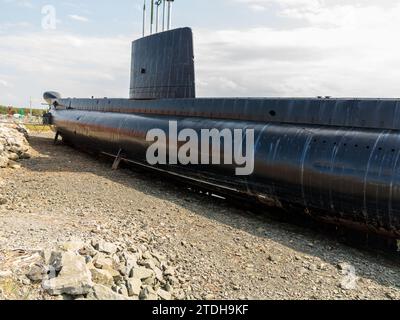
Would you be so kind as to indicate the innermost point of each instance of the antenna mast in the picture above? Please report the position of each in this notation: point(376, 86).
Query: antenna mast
point(144, 18)
point(166, 15)
point(152, 16)
point(169, 14)
point(163, 17)
point(158, 3)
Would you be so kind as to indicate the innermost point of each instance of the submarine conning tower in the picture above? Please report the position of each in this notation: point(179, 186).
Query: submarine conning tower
point(163, 66)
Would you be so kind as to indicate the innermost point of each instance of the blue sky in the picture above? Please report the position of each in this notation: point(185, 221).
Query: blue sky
point(107, 17)
point(242, 47)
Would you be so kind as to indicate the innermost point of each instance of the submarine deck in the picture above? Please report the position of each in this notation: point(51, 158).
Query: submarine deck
point(380, 114)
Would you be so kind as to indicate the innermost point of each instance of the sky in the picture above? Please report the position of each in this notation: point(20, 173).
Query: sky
point(302, 48)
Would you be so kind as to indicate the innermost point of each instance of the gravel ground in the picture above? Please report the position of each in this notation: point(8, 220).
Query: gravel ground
point(221, 252)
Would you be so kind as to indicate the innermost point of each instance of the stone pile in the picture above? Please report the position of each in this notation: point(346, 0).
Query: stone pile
point(103, 270)
point(13, 144)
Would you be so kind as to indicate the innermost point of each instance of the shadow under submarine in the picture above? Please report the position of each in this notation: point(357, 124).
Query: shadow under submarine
point(337, 160)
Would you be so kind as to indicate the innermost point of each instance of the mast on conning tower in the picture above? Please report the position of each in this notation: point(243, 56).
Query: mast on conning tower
point(144, 18)
point(157, 3)
point(169, 22)
point(152, 16)
point(166, 15)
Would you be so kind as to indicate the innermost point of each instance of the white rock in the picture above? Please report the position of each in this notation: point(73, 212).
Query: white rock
point(74, 278)
point(103, 293)
point(13, 144)
point(106, 247)
point(73, 246)
point(87, 250)
point(164, 295)
point(123, 290)
point(169, 271)
point(141, 273)
point(103, 277)
point(102, 261)
point(134, 287)
point(159, 274)
point(3, 161)
point(5, 274)
point(37, 273)
point(148, 293)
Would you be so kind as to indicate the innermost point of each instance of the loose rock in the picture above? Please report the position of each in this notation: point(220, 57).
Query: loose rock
point(72, 274)
point(102, 277)
point(106, 247)
point(100, 292)
point(141, 273)
point(164, 295)
point(134, 287)
point(5, 274)
point(37, 273)
point(13, 145)
point(74, 278)
point(148, 293)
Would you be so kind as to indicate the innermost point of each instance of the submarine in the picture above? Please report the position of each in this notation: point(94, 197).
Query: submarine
point(335, 160)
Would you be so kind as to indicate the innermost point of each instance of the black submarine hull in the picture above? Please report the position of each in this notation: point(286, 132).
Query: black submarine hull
point(339, 173)
point(334, 159)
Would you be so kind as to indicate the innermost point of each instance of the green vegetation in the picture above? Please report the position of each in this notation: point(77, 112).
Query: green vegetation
point(23, 111)
point(37, 127)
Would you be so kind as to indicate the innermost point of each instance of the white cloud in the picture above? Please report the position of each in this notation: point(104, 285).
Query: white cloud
point(74, 65)
point(9, 25)
point(336, 47)
point(78, 18)
point(356, 57)
point(326, 13)
point(4, 83)
point(315, 5)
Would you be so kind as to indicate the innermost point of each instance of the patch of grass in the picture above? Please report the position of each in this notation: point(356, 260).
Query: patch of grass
point(13, 290)
point(35, 128)
point(13, 110)
point(9, 288)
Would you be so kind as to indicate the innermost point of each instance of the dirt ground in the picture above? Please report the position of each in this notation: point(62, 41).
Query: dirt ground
point(222, 252)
